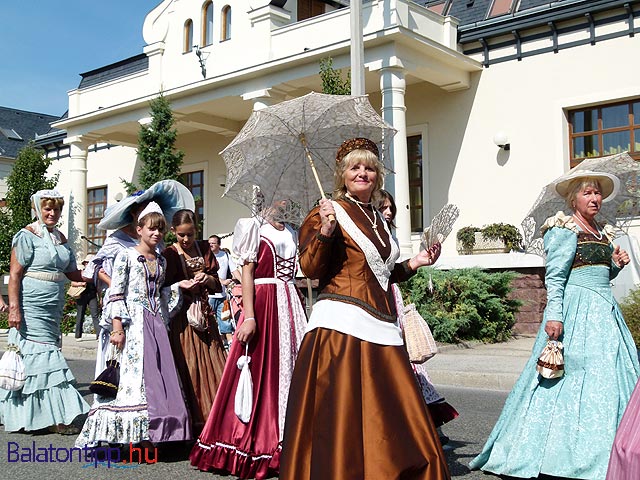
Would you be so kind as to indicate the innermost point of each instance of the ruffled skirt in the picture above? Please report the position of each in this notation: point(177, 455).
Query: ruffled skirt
point(48, 396)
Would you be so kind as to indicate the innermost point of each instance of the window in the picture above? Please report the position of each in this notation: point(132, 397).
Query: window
point(501, 7)
point(96, 205)
point(604, 130)
point(226, 24)
point(188, 36)
point(10, 133)
point(439, 7)
point(194, 181)
point(207, 24)
point(414, 154)
point(310, 8)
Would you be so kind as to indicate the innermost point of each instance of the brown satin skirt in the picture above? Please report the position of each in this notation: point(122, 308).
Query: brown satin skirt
point(200, 358)
point(355, 412)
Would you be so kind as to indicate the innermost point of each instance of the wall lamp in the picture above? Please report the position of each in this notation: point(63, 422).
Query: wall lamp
point(501, 139)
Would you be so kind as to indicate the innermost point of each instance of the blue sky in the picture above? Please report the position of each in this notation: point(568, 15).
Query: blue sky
point(45, 45)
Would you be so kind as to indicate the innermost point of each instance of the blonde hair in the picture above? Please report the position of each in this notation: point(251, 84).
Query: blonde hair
point(56, 202)
point(354, 157)
point(578, 185)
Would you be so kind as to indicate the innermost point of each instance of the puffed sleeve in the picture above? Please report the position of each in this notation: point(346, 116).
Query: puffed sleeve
point(22, 244)
point(560, 247)
point(116, 307)
point(246, 240)
point(315, 249)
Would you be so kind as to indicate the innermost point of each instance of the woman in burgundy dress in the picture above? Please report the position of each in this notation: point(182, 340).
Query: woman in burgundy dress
point(272, 327)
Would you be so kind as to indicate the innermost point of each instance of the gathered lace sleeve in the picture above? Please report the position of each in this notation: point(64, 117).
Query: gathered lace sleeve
point(559, 220)
point(560, 246)
point(116, 307)
point(246, 240)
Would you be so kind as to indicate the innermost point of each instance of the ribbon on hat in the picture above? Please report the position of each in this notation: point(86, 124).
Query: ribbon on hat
point(36, 200)
point(152, 207)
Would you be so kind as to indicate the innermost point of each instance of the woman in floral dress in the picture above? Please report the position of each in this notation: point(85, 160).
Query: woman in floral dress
point(149, 406)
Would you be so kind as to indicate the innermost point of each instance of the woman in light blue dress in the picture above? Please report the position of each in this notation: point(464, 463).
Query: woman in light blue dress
point(41, 263)
point(565, 427)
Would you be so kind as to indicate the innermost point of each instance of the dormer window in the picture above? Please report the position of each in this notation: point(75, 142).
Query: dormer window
point(225, 31)
point(501, 7)
point(207, 23)
point(188, 36)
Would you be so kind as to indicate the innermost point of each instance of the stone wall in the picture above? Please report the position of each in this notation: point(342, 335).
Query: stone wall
point(529, 288)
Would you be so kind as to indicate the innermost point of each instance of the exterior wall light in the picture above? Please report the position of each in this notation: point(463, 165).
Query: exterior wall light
point(501, 139)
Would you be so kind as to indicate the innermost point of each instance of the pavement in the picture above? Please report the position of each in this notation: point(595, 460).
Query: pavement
point(494, 366)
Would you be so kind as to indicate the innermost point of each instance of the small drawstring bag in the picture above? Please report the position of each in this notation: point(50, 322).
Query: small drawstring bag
point(244, 391)
point(551, 362)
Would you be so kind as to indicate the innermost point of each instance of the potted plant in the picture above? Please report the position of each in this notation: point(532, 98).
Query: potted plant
point(492, 238)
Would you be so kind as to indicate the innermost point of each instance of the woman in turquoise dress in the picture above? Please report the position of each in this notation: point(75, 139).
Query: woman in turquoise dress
point(565, 427)
point(41, 263)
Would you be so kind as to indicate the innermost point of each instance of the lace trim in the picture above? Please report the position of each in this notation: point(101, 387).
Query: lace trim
point(380, 268)
point(566, 221)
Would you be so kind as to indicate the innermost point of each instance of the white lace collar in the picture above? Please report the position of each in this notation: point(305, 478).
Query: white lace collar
point(566, 221)
point(380, 268)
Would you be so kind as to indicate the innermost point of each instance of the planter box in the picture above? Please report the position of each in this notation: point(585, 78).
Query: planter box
point(483, 245)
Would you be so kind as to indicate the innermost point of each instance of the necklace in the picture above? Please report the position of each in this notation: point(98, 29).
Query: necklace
point(589, 229)
point(374, 222)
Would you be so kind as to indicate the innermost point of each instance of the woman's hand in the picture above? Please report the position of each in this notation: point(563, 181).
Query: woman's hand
point(78, 284)
point(3, 306)
point(200, 277)
point(328, 225)
point(117, 336)
point(620, 257)
point(188, 284)
point(245, 332)
point(426, 257)
point(553, 329)
point(15, 318)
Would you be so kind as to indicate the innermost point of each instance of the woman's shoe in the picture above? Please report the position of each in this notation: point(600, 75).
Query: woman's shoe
point(64, 429)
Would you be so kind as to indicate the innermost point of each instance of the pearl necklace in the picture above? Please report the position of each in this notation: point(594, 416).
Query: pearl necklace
point(589, 229)
point(374, 222)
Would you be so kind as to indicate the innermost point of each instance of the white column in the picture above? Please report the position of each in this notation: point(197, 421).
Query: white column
point(392, 86)
point(77, 216)
point(357, 48)
point(262, 98)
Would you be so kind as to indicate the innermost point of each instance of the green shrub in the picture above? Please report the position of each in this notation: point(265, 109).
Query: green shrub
point(4, 320)
point(630, 307)
point(466, 304)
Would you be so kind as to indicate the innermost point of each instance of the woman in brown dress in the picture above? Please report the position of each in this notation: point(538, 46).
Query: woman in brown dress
point(355, 410)
point(199, 355)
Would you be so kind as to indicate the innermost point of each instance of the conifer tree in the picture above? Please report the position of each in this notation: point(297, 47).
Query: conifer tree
point(26, 178)
point(156, 146)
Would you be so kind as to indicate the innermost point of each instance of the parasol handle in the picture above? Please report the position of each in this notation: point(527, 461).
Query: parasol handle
point(307, 152)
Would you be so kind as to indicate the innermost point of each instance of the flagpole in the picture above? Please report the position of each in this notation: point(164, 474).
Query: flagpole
point(357, 48)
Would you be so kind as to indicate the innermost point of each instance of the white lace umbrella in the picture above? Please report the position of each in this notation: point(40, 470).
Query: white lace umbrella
point(287, 151)
point(617, 210)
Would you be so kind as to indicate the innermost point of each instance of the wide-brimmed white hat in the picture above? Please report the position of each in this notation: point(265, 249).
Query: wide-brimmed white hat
point(169, 194)
point(610, 184)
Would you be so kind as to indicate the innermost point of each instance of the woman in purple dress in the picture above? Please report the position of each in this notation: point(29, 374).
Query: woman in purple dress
point(149, 406)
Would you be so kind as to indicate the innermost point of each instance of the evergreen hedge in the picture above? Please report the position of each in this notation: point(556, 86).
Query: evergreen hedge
point(466, 304)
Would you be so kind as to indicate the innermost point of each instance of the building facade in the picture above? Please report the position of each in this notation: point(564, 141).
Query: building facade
point(555, 80)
